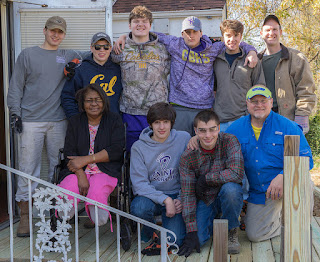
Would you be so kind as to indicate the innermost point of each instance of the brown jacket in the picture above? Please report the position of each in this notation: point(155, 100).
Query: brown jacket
point(295, 88)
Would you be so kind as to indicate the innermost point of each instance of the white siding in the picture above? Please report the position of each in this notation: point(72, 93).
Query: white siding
point(81, 25)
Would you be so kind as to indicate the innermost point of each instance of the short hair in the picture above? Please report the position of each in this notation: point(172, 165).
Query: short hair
point(81, 94)
point(140, 11)
point(205, 116)
point(161, 111)
point(233, 25)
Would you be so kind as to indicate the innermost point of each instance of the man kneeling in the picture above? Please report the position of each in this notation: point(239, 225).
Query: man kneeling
point(154, 172)
point(211, 184)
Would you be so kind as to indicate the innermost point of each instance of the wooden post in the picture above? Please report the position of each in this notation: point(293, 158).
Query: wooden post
point(220, 240)
point(296, 242)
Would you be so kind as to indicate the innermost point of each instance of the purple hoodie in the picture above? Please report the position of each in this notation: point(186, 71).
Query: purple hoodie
point(191, 72)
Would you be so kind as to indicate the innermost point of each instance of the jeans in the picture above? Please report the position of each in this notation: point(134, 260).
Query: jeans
point(224, 126)
point(31, 140)
point(146, 209)
point(228, 202)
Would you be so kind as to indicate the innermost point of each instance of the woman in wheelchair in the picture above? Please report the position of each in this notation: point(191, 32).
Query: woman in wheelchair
point(94, 151)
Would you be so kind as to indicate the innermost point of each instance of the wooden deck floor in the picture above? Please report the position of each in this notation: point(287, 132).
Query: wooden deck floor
point(267, 251)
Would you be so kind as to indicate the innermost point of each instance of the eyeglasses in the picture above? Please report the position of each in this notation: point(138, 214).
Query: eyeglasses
point(91, 101)
point(211, 130)
point(257, 102)
point(98, 47)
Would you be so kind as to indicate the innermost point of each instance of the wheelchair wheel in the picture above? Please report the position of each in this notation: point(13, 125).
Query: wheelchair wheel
point(125, 235)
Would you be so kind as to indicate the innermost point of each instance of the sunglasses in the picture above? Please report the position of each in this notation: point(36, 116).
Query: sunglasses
point(98, 47)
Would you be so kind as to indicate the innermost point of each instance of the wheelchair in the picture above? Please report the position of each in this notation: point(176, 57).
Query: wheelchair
point(124, 197)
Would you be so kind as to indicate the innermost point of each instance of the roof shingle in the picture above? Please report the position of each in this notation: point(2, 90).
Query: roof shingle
point(125, 6)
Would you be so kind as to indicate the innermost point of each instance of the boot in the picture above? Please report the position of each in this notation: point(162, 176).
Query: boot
point(23, 229)
point(233, 242)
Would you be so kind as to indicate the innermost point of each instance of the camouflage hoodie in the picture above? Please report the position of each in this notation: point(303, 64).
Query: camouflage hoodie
point(144, 70)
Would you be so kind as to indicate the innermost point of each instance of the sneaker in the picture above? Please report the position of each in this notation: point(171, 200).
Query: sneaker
point(154, 249)
point(233, 242)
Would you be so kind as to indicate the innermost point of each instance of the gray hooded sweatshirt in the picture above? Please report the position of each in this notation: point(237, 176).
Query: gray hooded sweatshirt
point(154, 166)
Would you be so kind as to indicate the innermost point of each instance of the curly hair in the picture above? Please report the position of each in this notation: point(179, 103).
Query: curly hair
point(140, 11)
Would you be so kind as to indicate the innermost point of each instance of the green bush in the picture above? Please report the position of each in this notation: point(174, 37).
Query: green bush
point(313, 135)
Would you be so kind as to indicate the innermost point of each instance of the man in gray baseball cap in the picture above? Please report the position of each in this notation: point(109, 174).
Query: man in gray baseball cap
point(97, 68)
point(100, 36)
point(191, 22)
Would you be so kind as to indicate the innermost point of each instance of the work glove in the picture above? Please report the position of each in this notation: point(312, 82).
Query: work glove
point(303, 121)
point(190, 242)
point(70, 68)
point(16, 123)
point(201, 187)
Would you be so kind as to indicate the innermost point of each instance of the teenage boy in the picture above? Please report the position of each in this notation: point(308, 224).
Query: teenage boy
point(211, 184)
point(261, 134)
point(288, 76)
point(144, 66)
point(96, 68)
point(191, 70)
point(232, 78)
point(34, 103)
point(154, 172)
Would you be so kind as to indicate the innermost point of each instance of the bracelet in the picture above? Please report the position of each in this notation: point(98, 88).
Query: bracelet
point(94, 158)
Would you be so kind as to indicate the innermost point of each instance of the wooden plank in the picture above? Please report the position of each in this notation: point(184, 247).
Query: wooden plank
point(220, 240)
point(262, 251)
point(276, 243)
point(296, 209)
point(315, 236)
point(245, 251)
point(106, 238)
point(203, 256)
point(291, 145)
point(315, 256)
point(291, 148)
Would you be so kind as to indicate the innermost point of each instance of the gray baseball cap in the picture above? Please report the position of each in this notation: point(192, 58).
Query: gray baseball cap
point(100, 36)
point(191, 22)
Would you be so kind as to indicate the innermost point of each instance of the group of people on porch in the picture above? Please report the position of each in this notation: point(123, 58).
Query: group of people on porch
point(204, 122)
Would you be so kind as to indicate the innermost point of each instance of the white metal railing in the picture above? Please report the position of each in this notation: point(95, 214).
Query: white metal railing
point(67, 204)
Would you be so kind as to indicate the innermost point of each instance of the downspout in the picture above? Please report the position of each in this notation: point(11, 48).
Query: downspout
point(4, 38)
point(109, 4)
point(5, 48)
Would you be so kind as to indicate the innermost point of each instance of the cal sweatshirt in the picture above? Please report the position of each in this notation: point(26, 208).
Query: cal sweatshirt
point(154, 166)
point(107, 76)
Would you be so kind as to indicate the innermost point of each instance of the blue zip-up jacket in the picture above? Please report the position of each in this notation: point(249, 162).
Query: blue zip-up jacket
point(107, 76)
point(263, 159)
point(191, 72)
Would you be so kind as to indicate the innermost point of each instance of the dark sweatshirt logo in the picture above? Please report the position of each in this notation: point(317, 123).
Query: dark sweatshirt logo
point(165, 174)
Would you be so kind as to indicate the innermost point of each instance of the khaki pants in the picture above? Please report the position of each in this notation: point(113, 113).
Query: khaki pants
point(264, 221)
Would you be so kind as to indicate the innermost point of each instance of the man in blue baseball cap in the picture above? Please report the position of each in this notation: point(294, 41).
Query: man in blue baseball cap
point(261, 135)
